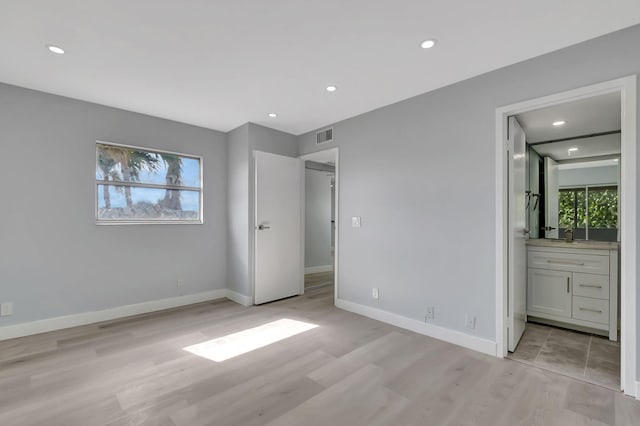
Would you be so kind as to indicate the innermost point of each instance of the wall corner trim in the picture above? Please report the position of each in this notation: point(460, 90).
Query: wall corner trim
point(451, 336)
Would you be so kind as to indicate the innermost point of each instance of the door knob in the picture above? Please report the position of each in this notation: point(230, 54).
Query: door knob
point(262, 227)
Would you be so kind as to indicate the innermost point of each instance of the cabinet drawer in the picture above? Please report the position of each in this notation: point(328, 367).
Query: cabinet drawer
point(594, 310)
point(590, 285)
point(586, 263)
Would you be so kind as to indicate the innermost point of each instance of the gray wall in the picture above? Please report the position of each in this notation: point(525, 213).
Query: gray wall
point(242, 142)
point(421, 173)
point(54, 259)
point(317, 241)
point(270, 140)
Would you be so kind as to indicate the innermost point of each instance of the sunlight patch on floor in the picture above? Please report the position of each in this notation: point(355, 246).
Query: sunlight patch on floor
point(235, 344)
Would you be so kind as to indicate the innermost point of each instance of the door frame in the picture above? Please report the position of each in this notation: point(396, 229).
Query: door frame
point(336, 252)
point(628, 215)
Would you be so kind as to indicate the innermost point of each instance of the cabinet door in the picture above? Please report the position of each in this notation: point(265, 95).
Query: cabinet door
point(549, 292)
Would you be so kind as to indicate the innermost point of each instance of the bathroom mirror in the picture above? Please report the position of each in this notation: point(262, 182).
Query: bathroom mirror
point(578, 195)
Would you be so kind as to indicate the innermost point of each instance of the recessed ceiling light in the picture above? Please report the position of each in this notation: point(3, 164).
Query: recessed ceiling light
point(559, 123)
point(273, 115)
point(55, 49)
point(615, 160)
point(332, 88)
point(428, 44)
point(570, 150)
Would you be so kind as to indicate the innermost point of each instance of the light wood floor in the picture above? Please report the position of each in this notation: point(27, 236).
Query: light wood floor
point(318, 279)
point(348, 371)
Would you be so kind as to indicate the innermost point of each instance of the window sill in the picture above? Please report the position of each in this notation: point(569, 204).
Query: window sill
point(149, 222)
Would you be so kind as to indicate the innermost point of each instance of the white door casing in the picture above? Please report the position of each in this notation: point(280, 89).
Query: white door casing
point(518, 234)
point(278, 225)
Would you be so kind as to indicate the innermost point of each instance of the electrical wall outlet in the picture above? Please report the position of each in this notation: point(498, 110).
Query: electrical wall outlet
point(356, 222)
point(431, 313)
point(469, 322)
point(374, 293)
point(6, 309)
point(180, 283)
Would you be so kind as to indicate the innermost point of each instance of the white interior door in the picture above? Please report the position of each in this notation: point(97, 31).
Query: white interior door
point(278, 227)
point(550, 198)
point(518, 234)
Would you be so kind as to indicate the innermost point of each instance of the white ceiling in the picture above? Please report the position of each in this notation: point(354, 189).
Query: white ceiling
point(219, 64)
point(583, 117)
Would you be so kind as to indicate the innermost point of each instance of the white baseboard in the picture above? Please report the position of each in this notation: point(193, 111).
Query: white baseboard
point(239, 298)
point(59, 323)
point(316, 269)
point(457, 338)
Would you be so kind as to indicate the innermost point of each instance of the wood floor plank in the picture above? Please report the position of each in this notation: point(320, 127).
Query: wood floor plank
point(591, 401)
point(336, 370)
point(627, 410)
point(358, 399)
point(258, 399)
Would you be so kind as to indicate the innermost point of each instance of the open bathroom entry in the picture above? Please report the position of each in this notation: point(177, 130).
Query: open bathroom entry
point(566, 242)
point(320, 229)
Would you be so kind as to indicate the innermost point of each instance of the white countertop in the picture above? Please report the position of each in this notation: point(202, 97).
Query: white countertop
point(576, 244)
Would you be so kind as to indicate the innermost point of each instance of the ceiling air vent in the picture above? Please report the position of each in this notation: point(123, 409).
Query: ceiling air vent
point(324, 136)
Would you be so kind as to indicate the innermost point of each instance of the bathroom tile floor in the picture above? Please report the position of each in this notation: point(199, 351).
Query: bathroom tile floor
point(591, 358)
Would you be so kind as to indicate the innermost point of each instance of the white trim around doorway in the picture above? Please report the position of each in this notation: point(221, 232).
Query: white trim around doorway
point(336, 252)
point(628, 216)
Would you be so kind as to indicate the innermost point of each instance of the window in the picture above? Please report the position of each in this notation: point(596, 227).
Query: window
point(592, 212)
point(137, 185)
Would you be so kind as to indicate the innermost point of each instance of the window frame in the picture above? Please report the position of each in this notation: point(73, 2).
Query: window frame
point(586, 189)
point(200, 189)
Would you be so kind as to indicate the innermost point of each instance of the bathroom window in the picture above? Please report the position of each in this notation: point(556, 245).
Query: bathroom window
point(591, 211)
point(139, 185)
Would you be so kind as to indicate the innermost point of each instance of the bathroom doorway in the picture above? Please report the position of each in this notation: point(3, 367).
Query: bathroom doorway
point(566, 233)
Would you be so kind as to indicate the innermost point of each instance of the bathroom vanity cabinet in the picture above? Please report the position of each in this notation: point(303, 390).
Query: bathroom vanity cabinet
point(574, 284)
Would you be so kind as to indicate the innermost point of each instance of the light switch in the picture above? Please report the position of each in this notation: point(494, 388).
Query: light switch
point(355, 222)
